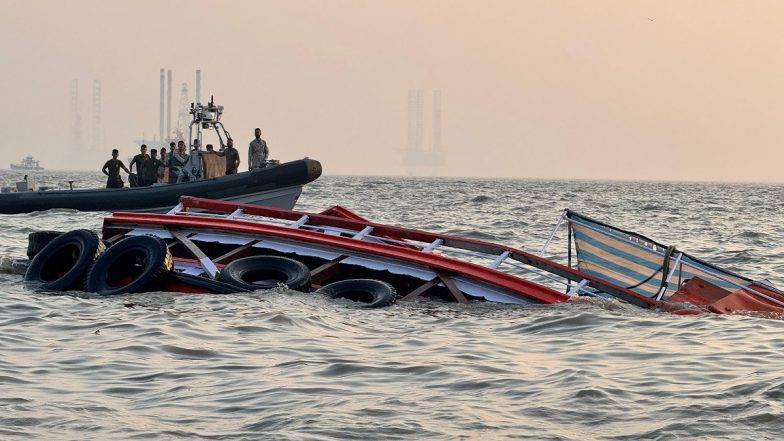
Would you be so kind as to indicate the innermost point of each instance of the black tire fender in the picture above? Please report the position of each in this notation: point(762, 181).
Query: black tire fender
point(134, 264)
point(36, 241)
point(266, 272)
point(373, 293)
point(61, 265)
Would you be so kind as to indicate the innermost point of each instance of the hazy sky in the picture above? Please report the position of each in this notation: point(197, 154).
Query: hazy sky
point(663, 90)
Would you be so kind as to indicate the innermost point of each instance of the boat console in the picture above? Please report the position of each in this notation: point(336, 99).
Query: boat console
point(206, 117)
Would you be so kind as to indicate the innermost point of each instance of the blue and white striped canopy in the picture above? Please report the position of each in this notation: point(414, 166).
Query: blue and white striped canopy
point(627, 259)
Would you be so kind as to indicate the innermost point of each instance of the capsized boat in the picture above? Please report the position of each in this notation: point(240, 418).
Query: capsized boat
point(212, 246)
point(209, 237)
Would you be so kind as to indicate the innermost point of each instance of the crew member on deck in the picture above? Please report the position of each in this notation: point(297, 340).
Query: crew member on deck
point(257, 151)
point(232, 158)
point(167, 163)
point(150, 167)
point(163, 170)
point(112, 170)
point(138, 160)
point(177, 165)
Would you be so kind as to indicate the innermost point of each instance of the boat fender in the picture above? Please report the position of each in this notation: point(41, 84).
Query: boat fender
point(61, 264)
point(134, 264)
point(266, 272)
point(36, 241)
point(374, 293)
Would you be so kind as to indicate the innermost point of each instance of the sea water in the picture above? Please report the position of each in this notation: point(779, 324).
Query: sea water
point(287, 365)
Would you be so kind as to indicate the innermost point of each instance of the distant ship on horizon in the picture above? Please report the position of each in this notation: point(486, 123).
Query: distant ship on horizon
point(27, 163)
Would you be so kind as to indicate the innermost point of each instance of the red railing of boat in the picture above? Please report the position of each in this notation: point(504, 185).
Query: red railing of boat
point(532, 290)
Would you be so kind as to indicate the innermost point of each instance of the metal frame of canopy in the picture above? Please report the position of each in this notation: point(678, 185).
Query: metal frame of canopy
point(675, 260)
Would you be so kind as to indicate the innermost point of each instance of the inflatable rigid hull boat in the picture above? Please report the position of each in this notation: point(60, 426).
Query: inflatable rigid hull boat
point(276, 186)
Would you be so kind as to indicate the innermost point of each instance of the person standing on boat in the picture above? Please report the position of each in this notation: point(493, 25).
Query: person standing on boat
point(232, 158)
point(179, 159)
point(164, 167)
point(138, 160)
point(150, 167)
point(257, 151)
point(167, 163)
point(112, 170)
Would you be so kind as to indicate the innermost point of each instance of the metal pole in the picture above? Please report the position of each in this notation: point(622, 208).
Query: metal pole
point(669, 276)
point(569, 251)
point(161, 125)
point(198, 85)
point(168, 103)
point(552, 233)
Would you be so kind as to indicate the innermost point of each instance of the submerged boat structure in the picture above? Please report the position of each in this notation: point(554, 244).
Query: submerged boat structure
point(661, 276)
point(27, 163)
point(276, 185)
point(212, 246)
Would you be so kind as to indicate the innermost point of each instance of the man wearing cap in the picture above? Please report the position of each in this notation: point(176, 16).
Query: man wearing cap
point(257, 151)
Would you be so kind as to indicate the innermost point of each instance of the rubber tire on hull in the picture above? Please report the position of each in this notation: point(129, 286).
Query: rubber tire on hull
point(134, 264)
point(267, 272)
point(38, 240)
point(61, 264)
point(374, 293)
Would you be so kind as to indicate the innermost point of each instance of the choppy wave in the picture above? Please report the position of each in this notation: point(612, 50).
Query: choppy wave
point(287, 365)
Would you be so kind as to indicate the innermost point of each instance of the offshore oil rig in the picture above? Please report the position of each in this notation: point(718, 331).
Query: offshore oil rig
point(419, 159)
point(167, 133)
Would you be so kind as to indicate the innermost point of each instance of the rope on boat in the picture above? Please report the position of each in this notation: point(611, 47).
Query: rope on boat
point(664, 269)
point(707, 269)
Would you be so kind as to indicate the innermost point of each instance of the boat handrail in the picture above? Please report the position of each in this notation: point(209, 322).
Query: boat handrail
point(408, 234)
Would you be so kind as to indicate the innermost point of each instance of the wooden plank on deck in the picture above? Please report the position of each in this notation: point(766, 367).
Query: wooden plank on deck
point(450, 285)
point(196, 252)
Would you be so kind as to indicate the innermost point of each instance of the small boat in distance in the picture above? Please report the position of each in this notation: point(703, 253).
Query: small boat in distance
point(28, 163)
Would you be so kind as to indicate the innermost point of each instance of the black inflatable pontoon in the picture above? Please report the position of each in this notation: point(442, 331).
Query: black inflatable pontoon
point(276, 186)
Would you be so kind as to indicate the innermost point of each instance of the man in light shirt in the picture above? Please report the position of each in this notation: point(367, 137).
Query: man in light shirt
point(257, 151)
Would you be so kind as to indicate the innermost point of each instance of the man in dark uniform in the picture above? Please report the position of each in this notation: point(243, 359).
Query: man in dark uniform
point(150, 168)
point(138, 160)
point(112, 170)
point(232, 158)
